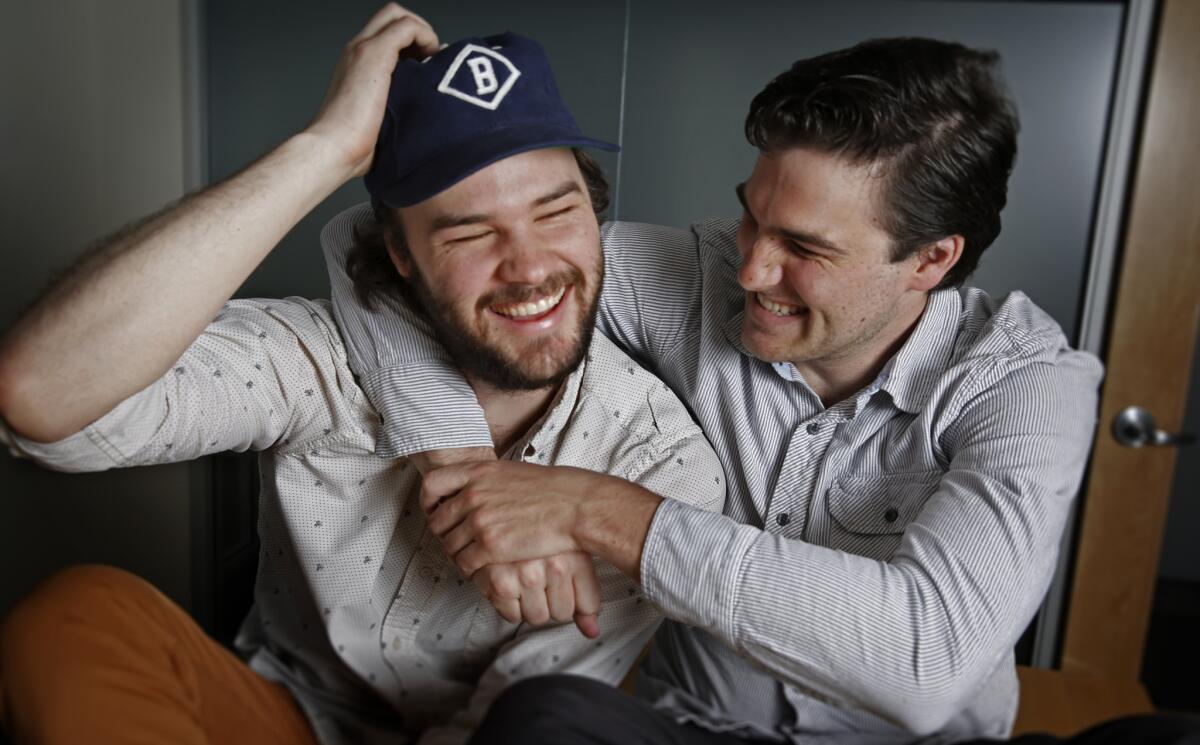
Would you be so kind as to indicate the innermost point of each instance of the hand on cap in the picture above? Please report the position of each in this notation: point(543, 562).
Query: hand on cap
point(351, 114)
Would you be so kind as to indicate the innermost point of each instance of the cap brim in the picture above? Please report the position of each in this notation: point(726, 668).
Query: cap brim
point(463, 159)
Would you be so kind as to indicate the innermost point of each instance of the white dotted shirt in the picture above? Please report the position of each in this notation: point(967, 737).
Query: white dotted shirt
point(357, 610)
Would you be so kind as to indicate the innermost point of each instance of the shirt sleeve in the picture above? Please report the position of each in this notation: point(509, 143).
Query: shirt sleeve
point(651, 292)
point(261, 372)
point(909, 639)
point(627, 618)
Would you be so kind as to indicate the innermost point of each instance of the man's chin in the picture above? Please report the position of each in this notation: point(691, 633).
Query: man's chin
point(769, 349)
point(522, 370)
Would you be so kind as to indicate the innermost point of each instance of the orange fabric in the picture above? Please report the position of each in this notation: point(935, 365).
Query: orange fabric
point(97, 655)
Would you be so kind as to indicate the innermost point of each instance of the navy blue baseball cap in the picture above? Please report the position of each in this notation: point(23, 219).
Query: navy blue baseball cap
point(472, 104)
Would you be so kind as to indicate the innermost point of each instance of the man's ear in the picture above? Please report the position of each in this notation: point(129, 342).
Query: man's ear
point(935, 260)
point(401, 259)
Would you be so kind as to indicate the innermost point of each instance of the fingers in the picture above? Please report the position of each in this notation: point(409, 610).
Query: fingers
point(560, 589)
point(385, 15)
point(443, 483)
point(508, 608)
point(500, 585)
point(534, 607)
point(588, 624)
point(586, 585)
point(407, 35)
point(458, 537)
point(448, 515)
point(471, 559)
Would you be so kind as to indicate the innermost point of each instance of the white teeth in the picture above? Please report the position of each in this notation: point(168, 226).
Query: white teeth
point(524, 310)
point(776, 308)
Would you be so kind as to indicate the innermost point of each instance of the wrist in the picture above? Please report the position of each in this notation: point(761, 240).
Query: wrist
point(614, 520)
point(327, 157)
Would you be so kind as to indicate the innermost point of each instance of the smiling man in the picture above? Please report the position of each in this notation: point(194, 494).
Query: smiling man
point(901, 451)
point(362, 631)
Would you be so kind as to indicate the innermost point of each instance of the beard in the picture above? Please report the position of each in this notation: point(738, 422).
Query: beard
point(540, 363)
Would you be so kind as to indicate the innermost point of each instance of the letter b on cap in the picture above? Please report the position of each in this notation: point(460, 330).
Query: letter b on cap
point(485, 75)
point(479, 76)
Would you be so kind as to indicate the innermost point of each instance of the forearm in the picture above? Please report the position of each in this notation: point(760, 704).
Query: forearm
point(614, 522)
point(127, 311)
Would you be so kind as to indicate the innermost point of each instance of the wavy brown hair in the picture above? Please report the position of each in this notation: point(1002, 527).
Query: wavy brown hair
point(934, 114)
point(371, 269)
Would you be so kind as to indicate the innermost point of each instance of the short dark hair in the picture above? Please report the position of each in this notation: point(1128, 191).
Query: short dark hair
point(372, 271)
point(933, 114)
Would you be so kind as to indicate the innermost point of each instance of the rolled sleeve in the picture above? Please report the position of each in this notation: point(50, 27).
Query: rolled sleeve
point(425, 407)
point(107, 443)
point(262, 371)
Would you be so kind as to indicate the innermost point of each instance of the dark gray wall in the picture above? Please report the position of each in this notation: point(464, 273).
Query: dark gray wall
point(694, 66)
point(91, 126)
point(687, 70)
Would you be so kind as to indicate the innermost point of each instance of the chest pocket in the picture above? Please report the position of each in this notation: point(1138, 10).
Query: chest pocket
point(880, 505)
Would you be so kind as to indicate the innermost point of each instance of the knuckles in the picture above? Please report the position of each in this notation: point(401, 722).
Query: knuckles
point(531, 575)
point(499, 584)
point(558, 568)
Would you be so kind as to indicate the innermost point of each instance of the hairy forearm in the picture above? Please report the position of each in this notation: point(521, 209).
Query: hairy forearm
point(119, 318)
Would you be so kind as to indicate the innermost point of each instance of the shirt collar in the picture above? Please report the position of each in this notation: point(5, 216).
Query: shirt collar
point(913, 372)
point(539, 439)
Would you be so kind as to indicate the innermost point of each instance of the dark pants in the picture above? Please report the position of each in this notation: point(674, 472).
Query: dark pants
point(572, 710)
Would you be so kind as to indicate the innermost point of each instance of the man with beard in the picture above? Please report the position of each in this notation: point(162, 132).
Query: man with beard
point(362, 630)
point(901, 451)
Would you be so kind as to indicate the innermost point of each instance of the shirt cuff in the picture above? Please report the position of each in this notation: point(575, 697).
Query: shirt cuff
point(109, 441)
point(425, 408)
point(691, 565)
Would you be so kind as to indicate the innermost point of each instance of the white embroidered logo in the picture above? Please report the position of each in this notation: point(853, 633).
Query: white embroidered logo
point(485, 75)
point(488, 83)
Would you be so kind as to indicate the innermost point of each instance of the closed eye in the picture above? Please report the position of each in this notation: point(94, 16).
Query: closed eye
point(801, 249)
point(469, 238)
point(557, 213)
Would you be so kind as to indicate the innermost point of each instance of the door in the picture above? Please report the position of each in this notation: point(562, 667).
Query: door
point(1150, 352)
point(1172, 653)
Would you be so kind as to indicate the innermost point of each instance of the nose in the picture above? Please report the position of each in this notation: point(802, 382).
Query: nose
point(524, 260)
point(760, 266)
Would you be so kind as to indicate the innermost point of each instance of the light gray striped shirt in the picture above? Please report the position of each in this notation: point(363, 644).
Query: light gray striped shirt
point(877, 559)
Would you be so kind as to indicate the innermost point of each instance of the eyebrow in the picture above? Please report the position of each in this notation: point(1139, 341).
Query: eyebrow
point(567, 187)
point(800, 236)
point(442, 222)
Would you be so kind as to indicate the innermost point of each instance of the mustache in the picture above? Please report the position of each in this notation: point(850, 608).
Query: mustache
point(524, 293)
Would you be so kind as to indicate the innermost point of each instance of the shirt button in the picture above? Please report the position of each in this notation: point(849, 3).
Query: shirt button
point(426, 572)
point(813, 428)
point(891, 515)
point(783, 518)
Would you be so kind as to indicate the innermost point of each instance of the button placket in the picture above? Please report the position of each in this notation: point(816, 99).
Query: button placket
point(794, 487)
point(819, 436)
point(411, 599)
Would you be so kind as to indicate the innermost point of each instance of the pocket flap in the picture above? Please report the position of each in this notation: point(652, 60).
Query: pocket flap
point(881, 505)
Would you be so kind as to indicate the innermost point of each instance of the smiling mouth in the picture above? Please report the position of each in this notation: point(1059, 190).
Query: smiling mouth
point(778, 309)
point(532, 309)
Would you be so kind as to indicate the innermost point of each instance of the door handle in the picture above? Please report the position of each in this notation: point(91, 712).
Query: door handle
point(1134, 427)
